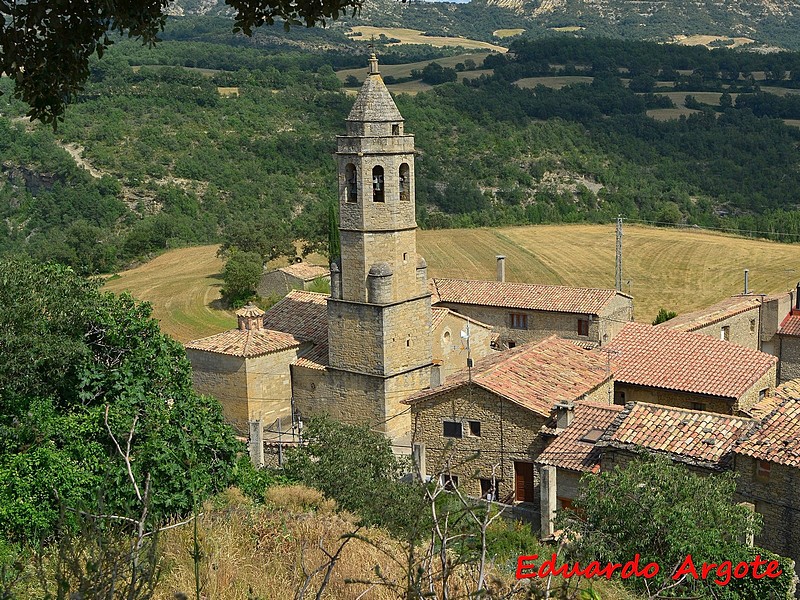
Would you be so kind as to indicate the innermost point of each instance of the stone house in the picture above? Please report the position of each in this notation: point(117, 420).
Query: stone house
point(570, 455)
point(767, 461)
point(487, 420)
point(750, 320)
point(521, 313)
point(298, 276)
point(244, 369)
point(789, 342)
point(688, 370)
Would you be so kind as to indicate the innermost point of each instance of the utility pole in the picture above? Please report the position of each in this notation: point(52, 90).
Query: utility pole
point(618, 273)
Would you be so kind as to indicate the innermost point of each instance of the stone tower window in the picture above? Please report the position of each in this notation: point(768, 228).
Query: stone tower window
point(404, 182)
point(351, 183)
point(395, 129)
point(377, 184)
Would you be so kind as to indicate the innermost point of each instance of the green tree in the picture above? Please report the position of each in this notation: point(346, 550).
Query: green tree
point(71, 353)
point(664, 315)
point(46, 46)
point(664, 512)
point(241, 275)
point(334, 243)
point(434, 74)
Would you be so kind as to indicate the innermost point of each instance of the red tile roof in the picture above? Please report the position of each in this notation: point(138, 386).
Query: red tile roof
point(777, 437)
point(715, 313)
point(246, 343)
point(316, 358)
point(305, 271)
point(554, 298)
point(569, 450)
point(692, 436)
point(303, 314)
point(535, 376)
point(790, 325)
point(685, 361)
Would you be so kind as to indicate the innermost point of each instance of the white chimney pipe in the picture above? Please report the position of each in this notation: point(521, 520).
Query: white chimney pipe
point(501, 267)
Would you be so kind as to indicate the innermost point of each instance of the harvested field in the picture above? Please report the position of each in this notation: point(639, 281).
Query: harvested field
point(404, 70)
point(678, 269)
point(415, 36)
point(553, 82)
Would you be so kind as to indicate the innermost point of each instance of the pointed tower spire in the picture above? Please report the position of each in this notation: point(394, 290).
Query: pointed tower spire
point(374, 103)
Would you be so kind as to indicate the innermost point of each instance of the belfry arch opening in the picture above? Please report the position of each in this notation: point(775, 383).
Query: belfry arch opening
point(351, 183)
point(377, 184)
point(405, 183)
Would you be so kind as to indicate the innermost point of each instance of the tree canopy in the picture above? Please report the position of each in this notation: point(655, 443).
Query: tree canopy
point(72, 355)
point(663, 512)
point(45, 47)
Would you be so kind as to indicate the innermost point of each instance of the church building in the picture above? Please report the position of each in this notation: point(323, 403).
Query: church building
point(356, 354)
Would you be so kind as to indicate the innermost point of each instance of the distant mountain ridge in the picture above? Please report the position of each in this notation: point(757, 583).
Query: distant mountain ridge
point(769, 23)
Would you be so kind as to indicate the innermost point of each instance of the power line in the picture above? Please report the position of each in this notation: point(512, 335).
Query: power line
point(709, 228)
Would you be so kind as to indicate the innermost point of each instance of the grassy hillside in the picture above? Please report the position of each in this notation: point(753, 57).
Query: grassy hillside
point(681, 270)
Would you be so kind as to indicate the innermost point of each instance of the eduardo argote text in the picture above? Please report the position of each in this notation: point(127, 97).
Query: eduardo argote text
point(721, 573)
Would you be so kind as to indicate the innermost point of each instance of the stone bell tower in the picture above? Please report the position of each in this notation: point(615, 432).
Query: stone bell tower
point(379, 313)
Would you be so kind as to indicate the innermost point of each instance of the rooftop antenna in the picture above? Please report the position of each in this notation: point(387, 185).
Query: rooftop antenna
point(465, 336)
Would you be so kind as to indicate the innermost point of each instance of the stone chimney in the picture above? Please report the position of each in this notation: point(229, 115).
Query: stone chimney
point(747, 281)
point(250, 317)
point(564, 413)
point(501, 267)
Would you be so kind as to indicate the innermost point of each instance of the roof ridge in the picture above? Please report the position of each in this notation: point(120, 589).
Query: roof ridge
point(693, 411)
point(549, 285)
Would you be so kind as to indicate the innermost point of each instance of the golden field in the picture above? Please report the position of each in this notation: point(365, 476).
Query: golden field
point(678, 269)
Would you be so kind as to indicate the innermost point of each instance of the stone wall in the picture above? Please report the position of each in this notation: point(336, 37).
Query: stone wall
point(567, 484)
point(378, 339)
point(449, 350)
point(541, 324)
point(247, 389)
point(508, 433)
point(727, 406)
point(614, 316)
point(743, 329)
point(362, 249)
point(278, 283)
point(777, 500)
point(790, 357)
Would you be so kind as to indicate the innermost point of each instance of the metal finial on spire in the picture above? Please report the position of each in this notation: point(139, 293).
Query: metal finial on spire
point(373, 64)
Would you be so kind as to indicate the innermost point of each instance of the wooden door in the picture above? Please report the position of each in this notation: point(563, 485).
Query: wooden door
point(523, 481)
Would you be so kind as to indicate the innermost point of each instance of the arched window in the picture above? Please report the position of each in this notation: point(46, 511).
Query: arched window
point(351, 193)
point(405, 183)
point(377, 184)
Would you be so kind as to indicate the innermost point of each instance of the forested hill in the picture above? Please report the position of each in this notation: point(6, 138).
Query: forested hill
point(768, 23)
point(238, 147)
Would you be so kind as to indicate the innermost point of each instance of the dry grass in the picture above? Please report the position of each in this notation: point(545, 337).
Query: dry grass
point(415, 36)
point(568, 28)
point(679, 269)
point(259, 552)
point(707, 40)
point(553, 82)
point(503, 33)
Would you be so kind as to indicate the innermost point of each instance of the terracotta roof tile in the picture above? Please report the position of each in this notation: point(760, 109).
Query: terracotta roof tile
point(685, 361)
point(526, 296)
point(535, 376)
point(691, 436)
point(305, 271)
point(302, 314)
point(249, 310)
point(715, 313)
point(777, 437)
point(246, 343)
point(569, 450)
point(790, 325)
point(316, 358)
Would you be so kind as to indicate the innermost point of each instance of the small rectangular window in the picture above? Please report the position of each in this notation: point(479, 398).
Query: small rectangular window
point(762, 393)
point(699, 406)
point(395, 129)
point(452, 429)
point(583, 327)
point(725, 332)
point(448, 481)
point(752, 325)
point(474, 428)
point(511, 344)
point(763, 469)
point(519, 320)
point(489, 488)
